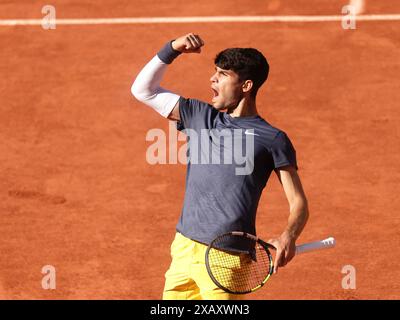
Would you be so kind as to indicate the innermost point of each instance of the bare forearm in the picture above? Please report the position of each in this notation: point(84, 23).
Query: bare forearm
point(298, 218)
point(285, 244)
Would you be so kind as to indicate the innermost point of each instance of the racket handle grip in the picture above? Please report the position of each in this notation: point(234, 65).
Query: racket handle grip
point(317, 245)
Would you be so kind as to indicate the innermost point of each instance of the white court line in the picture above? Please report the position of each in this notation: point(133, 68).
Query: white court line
point(204, 19)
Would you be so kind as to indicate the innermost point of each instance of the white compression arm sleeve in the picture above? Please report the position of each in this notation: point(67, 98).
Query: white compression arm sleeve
point(146, 88)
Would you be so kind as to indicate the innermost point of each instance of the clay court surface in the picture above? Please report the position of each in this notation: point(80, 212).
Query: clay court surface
point(77, 193)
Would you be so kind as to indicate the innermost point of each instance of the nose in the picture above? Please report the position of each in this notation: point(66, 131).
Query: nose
point(213, 78)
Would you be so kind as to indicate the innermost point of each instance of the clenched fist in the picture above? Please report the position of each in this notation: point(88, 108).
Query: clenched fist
point(190, 43)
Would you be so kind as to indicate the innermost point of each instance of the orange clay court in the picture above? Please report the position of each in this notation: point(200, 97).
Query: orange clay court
point(77, 193)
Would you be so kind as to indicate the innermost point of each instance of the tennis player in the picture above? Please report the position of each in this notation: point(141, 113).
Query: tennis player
point(217, 198)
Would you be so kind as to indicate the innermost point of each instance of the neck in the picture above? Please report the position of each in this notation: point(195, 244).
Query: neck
point(245, 108)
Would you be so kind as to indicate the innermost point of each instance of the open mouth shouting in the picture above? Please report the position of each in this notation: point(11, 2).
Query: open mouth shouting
point(215, 93)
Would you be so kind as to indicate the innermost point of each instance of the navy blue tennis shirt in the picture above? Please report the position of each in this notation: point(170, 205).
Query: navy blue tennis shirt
point(222, 191)
point(221, 194)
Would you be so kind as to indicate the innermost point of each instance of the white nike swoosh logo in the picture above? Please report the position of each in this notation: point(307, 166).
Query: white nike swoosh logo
point(252, 133)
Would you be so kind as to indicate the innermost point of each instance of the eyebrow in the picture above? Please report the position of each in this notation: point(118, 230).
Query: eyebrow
point(222, 70)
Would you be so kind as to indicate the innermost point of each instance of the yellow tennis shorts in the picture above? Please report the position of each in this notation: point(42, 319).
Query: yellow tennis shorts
point(187, 278)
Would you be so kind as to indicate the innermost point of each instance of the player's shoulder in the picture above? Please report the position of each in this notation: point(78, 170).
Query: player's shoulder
point(195, 114)
point(268, 131)
point(272, 137)
point(194, 103)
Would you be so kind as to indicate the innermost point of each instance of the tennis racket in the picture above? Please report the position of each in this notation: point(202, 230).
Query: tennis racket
point(240, 263)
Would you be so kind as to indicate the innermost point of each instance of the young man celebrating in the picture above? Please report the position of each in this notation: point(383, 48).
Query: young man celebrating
point(218, 199)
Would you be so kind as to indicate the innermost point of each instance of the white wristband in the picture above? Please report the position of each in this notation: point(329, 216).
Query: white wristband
point(146, 88)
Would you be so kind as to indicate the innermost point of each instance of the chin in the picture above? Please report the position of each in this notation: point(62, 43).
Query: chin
point(218, 106)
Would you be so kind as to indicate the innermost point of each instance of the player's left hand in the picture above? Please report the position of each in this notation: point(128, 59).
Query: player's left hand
point(189, 43)
point(285, 249)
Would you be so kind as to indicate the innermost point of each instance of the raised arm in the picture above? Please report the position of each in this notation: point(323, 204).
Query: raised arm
point(146, 87)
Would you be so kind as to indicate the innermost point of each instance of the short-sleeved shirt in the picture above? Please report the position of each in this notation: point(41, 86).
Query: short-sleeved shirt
point(222, 191)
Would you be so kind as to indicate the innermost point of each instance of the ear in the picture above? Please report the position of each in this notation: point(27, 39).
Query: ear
point(247, 85)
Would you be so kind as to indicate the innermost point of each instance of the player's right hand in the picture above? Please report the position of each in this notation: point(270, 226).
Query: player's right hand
point(189, 43)
point(285, 247)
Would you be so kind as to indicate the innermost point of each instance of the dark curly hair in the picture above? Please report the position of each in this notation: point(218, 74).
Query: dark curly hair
point(248, 63)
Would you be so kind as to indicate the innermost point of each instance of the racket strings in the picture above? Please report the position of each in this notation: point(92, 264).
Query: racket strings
point(239, 272)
